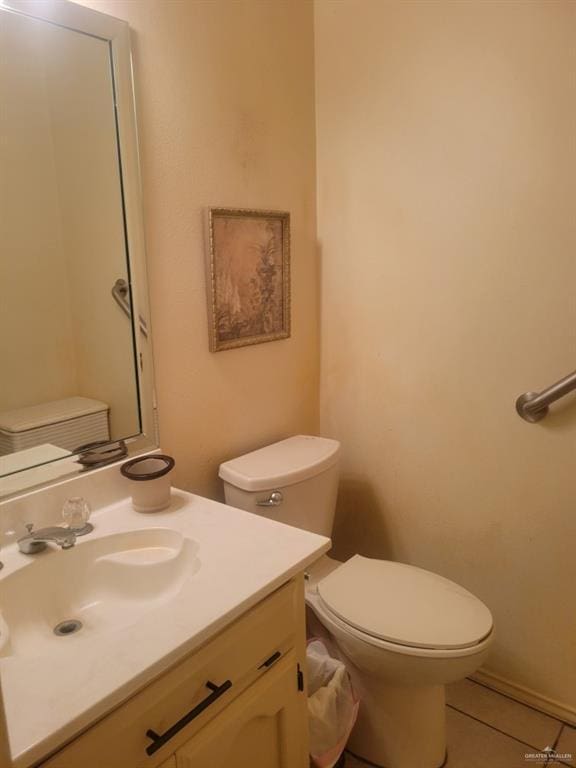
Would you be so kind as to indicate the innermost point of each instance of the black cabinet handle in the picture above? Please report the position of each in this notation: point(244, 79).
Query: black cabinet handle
point(270, 661)
point(158, 740)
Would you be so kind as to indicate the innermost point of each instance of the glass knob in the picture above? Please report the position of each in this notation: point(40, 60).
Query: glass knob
point(76, 513)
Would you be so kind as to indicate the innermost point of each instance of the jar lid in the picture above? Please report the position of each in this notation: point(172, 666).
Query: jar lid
point(147, 467)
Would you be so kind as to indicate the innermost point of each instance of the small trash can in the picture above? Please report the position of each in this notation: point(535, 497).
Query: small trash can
point(332, 706)
point(149, 478)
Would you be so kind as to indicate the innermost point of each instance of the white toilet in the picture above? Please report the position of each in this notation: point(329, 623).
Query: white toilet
point(403, 632)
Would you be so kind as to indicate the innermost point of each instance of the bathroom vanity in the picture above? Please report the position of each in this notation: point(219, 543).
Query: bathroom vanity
point(192, 646)
point(237, 701)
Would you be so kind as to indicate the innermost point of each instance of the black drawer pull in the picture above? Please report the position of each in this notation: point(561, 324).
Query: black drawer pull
point(270, 661)
point(160, 739)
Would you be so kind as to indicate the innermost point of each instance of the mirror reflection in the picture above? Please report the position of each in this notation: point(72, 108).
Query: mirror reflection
point(67, 349)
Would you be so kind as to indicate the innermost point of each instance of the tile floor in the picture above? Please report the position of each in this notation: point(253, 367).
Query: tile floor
point(488, 730)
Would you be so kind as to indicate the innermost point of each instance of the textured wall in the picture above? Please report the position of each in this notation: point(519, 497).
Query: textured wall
point(447, 180)
point(226, 114)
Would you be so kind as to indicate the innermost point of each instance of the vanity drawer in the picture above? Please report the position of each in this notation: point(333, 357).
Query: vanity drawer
point(195, 690)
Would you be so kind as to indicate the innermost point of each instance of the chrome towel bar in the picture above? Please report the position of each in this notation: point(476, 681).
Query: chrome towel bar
point(533, 406)
point(121, 297)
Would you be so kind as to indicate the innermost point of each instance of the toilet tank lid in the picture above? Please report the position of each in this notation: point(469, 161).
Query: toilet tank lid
point(284, 463)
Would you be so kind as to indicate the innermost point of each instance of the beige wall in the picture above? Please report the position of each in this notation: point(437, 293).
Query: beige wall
point(226, 113)
point(447, 180)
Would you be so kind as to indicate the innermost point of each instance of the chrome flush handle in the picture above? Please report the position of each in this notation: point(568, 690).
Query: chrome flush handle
point(274, 500)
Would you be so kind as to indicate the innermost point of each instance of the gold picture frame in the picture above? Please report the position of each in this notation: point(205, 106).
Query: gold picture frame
point(248, 277)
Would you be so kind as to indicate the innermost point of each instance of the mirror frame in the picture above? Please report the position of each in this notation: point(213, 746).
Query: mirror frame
point(117, 34)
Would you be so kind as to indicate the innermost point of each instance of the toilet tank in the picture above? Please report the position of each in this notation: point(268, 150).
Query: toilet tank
point(294, 481)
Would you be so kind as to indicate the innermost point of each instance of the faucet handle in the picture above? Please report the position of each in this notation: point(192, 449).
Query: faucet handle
point(76, 513)
point(29, 527)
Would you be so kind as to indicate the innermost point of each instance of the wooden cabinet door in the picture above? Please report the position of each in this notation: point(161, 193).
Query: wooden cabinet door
point(170, 763)
point(265, 727)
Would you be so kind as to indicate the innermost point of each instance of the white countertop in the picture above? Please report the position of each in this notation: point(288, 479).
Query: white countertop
point(244, 558)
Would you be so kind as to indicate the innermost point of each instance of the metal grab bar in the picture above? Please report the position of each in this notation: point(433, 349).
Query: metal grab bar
point(120, 294)
point(533, 406)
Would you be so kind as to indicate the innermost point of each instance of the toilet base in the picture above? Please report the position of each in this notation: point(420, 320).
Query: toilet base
point(399, 727)
point(402, 716)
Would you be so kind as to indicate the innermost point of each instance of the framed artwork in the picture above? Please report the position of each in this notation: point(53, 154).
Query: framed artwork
point(248, 264)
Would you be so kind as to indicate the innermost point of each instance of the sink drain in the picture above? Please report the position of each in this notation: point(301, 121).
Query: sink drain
point(68, 627)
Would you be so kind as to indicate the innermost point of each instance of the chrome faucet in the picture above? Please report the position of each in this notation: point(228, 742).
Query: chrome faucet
point(37, 541)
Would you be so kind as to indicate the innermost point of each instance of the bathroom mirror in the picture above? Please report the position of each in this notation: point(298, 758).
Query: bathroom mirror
point(76, 365)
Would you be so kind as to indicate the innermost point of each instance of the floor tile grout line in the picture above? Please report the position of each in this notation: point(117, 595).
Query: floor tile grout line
point(494, 728)
point(555, 745)
point(557, 739)
point(521, 703)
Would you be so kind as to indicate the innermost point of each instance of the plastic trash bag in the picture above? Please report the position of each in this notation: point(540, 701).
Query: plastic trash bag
point(332, 705)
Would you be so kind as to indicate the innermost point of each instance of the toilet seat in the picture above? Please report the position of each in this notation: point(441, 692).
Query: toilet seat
point(333, 624)
point(402, 605)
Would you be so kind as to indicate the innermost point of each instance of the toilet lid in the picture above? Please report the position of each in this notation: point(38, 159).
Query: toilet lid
point(405, 605)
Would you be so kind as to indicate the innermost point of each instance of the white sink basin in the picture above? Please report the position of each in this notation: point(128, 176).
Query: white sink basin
point(103, 584)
